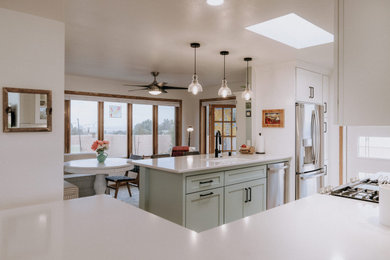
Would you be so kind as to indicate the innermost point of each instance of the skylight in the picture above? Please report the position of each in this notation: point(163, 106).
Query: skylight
point(293, 31)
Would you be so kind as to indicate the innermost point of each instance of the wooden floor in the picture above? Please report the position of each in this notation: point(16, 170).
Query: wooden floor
point(123, 195)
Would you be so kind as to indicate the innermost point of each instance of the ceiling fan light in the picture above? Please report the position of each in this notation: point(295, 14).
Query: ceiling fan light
point(195, 86)
point(224, 90)
point(247, 94)
point(155, 91)
point(215, 2)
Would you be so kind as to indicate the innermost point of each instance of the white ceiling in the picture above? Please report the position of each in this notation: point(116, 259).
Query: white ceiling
point(126, 39)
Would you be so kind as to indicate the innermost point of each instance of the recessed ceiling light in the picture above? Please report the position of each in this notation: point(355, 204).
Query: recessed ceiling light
point(293, 31)
point(215, 2)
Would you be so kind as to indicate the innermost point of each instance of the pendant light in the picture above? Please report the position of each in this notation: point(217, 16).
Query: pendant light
point(224, 91)
point(247, 94)
point(195, 87)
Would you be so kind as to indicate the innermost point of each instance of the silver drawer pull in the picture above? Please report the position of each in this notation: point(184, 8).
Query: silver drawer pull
point(205, 182)
point(206, 194)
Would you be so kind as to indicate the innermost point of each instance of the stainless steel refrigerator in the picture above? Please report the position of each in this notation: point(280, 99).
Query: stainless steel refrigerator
point(309, 149)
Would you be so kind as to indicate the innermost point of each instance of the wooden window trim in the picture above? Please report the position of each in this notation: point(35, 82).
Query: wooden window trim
point(67, 126)
point(155, 129)
point(178, 119)
point(129, 129)
point(211, 126)
point(203, 124)
point(101, 120)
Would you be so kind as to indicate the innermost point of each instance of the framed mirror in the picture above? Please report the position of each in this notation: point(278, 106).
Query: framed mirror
point(27, 110)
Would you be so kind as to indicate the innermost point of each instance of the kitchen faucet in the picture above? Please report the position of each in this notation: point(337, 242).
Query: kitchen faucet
point(218, 142)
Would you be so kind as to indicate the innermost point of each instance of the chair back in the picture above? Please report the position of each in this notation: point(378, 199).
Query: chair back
point(135, 157)
point(179, 150)
point(154, 156)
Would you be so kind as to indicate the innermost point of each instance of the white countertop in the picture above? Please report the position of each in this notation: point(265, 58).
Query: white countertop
point(318, 227)
point(201, 162)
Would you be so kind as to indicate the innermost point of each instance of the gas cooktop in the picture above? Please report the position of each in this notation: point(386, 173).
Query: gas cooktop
point(367, 190)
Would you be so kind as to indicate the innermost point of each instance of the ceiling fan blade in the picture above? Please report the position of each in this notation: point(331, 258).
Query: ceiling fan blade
point(141, 86)
point(130, 90)
point(171, 87)
point(161, 84)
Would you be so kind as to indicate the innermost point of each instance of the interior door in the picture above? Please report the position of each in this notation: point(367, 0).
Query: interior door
point(257, 197)
point(223, 119)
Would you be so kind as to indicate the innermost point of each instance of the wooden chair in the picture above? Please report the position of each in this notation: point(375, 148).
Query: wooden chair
point(135, 170)
point(124, 180)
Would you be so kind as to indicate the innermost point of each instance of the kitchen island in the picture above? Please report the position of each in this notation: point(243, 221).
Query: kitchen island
point(201, 192)
point(100, 227)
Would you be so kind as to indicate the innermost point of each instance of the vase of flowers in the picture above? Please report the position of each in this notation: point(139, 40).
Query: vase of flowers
point(99, 147)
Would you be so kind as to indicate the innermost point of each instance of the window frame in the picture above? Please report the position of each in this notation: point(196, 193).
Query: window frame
point(178, 118)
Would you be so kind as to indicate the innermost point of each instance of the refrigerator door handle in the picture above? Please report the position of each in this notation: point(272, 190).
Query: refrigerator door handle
point(313, 136)
point(310, 175)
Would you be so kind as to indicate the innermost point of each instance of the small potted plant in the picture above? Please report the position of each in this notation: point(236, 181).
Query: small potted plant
point(99, 147)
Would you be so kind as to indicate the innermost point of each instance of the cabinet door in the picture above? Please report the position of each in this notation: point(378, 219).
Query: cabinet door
point(204, 210)
point(325, 94)
point(257, 197)
point(308, 86)
point(235, 199)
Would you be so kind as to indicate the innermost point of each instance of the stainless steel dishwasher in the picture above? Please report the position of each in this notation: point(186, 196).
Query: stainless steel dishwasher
point(276, 184)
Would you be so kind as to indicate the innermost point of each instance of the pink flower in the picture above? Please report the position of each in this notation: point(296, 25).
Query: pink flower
point(94, 145)
point(106, 142)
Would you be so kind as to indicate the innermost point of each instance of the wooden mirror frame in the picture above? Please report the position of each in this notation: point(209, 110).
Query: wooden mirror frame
point(6, 129)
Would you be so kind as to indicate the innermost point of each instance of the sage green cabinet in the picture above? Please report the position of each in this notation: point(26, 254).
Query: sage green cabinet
point(204, 210)
point(245, 199)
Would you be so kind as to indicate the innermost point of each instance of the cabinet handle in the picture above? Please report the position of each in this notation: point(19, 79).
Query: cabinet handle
point(325, 127)
point(246, 195)
point(205, 182)
point(325, 107)
point(311, 92)
point(250, 194)
point(207, 194)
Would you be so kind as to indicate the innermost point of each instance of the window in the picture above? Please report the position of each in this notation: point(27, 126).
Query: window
point(374, 147)
point(83, 125)
point(166, 129)
point(115, 128)
point(142, 129)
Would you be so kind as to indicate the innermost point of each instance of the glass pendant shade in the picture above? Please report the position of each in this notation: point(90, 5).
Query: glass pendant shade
point(247, 94)
point(155, 91)
point(195, 86)
point(224, 90)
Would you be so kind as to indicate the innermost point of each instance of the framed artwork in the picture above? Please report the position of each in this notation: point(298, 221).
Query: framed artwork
point(248, 105)
point(248, 113)
point(115, 111)
point(273, 118)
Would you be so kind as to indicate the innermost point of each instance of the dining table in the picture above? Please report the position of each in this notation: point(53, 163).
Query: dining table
point(111, 167)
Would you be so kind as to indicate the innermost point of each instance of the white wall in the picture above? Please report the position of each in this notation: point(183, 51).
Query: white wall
point(274, 88)
point(32, 56)
point(190, 102)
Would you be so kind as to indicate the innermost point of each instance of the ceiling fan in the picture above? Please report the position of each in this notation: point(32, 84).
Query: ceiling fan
point(155, 88)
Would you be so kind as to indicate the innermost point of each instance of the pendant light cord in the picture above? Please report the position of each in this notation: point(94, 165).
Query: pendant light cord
point(247, 73)
point(195, 61)
point(224, 69)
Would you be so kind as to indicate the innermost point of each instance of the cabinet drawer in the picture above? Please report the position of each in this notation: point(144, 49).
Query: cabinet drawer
point(204, 182)
point(245, 174)
point(204, 210)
